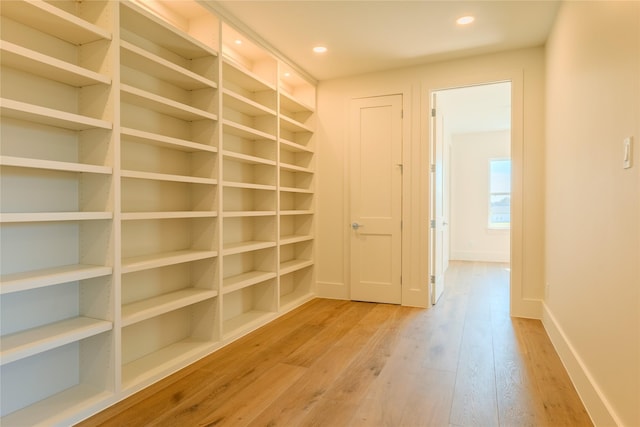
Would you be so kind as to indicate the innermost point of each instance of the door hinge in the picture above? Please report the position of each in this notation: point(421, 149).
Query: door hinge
point(432, 223)
point(402, 114)
point(432, 280)
point(432, 168)
point(400, 225)
point(433, 112)
point(401, 280)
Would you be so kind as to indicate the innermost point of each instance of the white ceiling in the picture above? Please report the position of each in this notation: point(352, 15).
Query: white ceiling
point(483, 108)
point(367, 36)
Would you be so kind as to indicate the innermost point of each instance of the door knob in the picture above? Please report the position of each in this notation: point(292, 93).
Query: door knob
point(355, 225)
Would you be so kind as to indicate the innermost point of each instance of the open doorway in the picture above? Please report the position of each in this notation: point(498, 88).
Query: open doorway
point(471, 177)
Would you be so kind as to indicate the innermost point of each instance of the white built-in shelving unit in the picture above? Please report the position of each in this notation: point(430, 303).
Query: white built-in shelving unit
point(156, 197)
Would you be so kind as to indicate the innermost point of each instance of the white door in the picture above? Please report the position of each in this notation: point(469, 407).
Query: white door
point(376, 199)
point(438, 223)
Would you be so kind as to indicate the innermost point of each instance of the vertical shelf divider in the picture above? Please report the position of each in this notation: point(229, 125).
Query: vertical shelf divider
point(219, 195)
point(117, 216)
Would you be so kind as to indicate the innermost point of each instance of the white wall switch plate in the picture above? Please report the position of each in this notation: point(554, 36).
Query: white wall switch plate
point(627, 147)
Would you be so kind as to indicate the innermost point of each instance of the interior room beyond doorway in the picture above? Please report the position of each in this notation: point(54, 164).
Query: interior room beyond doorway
point(475, 142)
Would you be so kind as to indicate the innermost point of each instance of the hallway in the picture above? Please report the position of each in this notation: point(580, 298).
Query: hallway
point(340, 363)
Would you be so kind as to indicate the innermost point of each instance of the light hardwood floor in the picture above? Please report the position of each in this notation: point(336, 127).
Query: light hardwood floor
point(464, 362)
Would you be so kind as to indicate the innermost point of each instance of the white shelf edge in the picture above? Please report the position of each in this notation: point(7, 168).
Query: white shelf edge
point(296, 212)
point(234, 283)
point(285, 143)
point(53, 216)
point(54, 21)
point(248, 186)
point(24, 162)
point(244, 322)
point(167, 177)
point(294, 265)
point(248, 106)
point(142, 310)
point(57, 409)
point(294, 125)
point(166, 360)
point(181, 74)
point(290, 239)
point(33, 62)
point(146, 262)
point(248, 158)
point(163, 105)
point(169, 32)
point(162, 140)
point(296, 190)
point(17, 282)
point(294, 168)
point(48, 116)
point(251, 80)
point(246, 131)
point(303, 107)
point(241, 214)
point(249, 246)
point(37, 340)
point(130, 216)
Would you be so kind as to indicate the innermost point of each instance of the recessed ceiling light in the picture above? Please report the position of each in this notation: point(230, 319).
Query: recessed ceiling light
point(320, 49)
point(465, 20)
point(287, 74)
point(238, 41)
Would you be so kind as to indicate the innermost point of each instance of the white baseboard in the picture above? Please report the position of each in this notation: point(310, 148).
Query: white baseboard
point(332, 290)
point(480, 256)
point(595, 402)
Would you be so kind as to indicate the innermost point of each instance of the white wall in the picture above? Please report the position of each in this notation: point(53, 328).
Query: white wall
point(592, 305)
point(526, 68)
point(471, 238)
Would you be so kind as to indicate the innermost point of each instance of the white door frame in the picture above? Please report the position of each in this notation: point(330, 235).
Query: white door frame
point(519, 306)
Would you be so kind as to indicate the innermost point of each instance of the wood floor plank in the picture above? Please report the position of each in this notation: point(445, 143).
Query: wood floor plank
point(514, 382)
point(310, 351)
point(560, 402)
point(437, 341)
point(321, 376)
point(474, 401)
point(247, 403)
point(407, 392)
point(342, 399)
point(430, 404)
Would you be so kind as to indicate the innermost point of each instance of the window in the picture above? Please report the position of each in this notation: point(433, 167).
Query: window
point(499, 193)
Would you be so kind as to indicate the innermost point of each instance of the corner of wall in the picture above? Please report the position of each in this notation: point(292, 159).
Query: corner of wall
point(527, 308)
point(332, 290)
